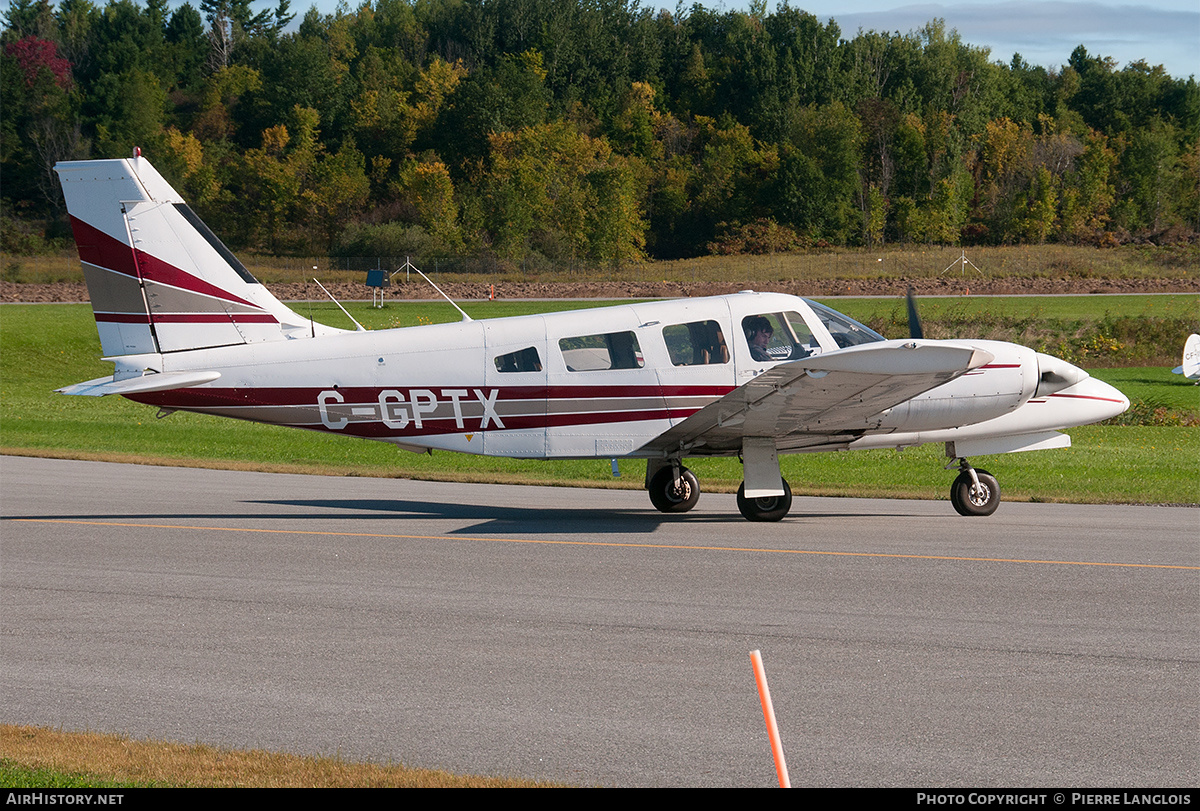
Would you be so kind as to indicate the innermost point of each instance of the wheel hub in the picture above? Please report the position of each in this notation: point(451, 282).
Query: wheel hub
point(680, 491)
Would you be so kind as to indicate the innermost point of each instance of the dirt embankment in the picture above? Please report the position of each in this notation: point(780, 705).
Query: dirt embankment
point(77, 291)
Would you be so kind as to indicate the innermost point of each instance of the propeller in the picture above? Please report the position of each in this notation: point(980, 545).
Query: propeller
point(914, 320)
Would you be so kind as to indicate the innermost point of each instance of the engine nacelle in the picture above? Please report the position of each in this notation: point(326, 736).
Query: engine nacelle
point(990, 391)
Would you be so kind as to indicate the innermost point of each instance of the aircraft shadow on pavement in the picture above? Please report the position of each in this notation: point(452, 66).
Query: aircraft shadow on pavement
point(539, 519)
point(501, 519)
point(493, 518)
point(561, 519)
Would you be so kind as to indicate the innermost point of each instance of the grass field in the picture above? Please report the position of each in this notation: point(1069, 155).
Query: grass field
point(48, 346)
point(891, 262)
point(32, 757)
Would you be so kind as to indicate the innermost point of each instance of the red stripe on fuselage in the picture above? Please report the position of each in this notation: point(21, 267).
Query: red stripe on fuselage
point(591, 405)
point(1087, 397)
point(211, 397)
point(377, 430)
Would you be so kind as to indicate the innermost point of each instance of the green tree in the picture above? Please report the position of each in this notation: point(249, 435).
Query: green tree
point(558, 192)
point(184, 34)
point(818, 177)
point(428, 188)
point(1151, 173)
point(134, 114)
point(1088, 192)
point(490, 101)
point(338, 191)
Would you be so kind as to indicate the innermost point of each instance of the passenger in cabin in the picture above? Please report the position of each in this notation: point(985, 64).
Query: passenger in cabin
point(758, 334)
point(717, 351)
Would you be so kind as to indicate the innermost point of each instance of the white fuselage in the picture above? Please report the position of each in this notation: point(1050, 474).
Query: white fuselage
point(541, 386)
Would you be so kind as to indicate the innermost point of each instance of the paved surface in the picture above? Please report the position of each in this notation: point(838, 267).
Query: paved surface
point(578, 635)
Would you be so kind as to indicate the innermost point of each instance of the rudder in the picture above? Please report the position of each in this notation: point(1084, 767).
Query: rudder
point(158, 278)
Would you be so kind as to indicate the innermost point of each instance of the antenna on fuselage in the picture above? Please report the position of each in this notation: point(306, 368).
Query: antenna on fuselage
point(408, 265)
point(361, 328)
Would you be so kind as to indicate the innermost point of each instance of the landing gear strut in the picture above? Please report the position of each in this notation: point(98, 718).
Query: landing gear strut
point(975, 491)
point(671, 493)
point(767, 508)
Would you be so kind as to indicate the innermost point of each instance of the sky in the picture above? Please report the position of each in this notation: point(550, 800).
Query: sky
point(1163, 32)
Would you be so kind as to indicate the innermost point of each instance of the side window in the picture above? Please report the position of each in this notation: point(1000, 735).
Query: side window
point(526, 360)
point(774, 337)
point(696, 344)
point(595, 353)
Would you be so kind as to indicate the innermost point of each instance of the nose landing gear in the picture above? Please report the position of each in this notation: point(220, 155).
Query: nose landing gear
point(975, 491)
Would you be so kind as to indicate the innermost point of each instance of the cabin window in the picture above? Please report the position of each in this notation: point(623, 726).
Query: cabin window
point(595, 353)
point(774, 337)
point(696, 344)
point(525, 360)
point(845, 330)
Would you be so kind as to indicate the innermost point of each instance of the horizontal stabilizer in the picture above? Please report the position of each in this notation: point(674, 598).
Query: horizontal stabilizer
point(165, 381)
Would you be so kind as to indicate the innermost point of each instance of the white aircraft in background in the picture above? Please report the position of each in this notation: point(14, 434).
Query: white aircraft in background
point(751, 375)
point(1190, 368)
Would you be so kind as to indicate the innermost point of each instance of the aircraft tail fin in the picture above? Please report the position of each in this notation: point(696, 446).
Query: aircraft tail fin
point(158, 278)
point(1190, 368)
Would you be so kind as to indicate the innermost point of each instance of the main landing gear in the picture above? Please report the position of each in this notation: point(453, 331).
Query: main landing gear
point(767, 508)
point(674, 489)
point(975, 491)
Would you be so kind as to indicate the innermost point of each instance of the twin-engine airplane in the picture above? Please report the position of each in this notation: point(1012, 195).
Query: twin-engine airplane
point(751, 375)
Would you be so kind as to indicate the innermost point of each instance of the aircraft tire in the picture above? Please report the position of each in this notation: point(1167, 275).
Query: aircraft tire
point(771, 508)
point(969, 501)
point(668, 498)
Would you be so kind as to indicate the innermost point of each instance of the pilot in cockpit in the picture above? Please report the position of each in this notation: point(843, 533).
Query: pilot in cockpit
point(758, 334)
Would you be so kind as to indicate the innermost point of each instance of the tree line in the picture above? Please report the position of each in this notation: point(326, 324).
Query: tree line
point(589, 130)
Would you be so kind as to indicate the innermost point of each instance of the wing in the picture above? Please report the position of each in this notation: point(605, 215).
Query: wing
point(820, 400)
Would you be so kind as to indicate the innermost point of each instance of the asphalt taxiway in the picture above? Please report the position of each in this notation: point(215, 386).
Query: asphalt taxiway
point(580, 636)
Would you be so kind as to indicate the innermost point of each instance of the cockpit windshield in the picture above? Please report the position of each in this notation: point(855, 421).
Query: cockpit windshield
point(845, 330)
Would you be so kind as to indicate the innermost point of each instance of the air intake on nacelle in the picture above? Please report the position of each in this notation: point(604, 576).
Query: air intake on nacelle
point(1056, 375)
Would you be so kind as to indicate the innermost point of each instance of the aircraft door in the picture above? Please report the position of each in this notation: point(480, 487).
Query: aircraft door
point(605, 399)
point(515, 380)
point(700, 368)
